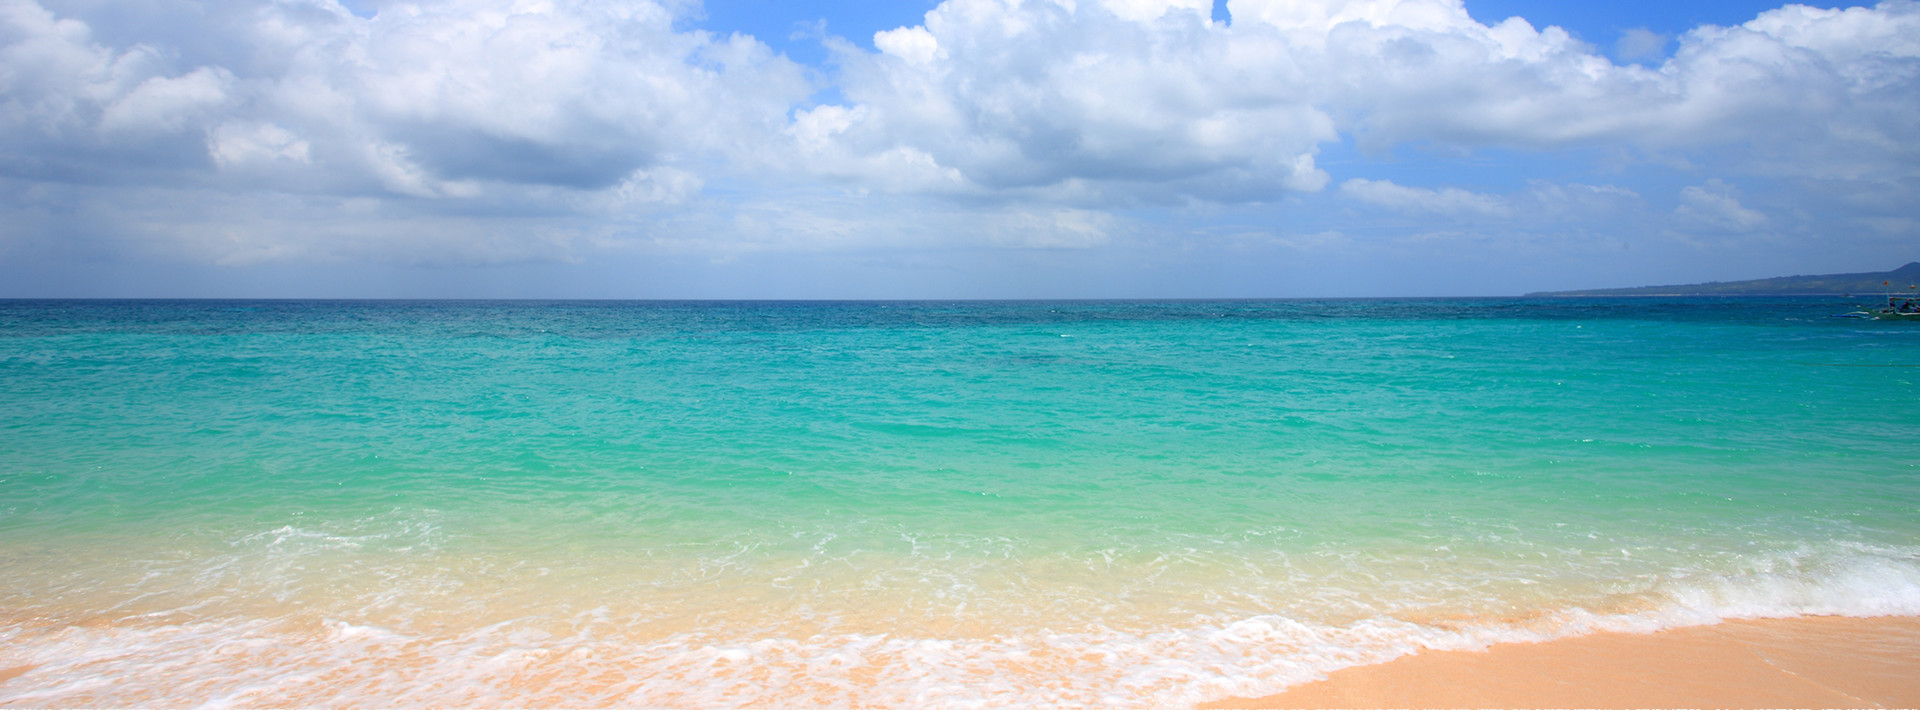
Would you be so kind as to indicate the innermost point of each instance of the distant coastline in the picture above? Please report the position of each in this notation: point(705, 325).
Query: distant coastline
point(1897, 280)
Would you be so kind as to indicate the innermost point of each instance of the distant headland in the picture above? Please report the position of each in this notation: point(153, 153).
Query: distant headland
point(1897, 280)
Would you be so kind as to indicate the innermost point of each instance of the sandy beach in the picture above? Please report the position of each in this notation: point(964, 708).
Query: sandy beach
point(1817, 662)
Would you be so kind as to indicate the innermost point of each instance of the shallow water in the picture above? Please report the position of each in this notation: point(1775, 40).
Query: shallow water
point(938, 504)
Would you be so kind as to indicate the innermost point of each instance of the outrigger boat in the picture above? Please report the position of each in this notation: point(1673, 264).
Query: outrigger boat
point(1896, 309)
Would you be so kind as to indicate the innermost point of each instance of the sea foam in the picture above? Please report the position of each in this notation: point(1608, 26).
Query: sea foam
point(293, 661)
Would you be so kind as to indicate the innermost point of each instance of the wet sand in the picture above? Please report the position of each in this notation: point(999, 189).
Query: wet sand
point(1817, 662)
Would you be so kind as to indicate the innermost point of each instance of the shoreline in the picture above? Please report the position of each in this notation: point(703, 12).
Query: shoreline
point(1814, 661)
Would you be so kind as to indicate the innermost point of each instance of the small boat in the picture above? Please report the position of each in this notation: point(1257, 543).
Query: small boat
point(1883, 314)
point(1896, 309)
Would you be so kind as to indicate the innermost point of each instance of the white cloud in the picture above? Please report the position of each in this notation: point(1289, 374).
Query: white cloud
point(1315, 20)
point(1051, 229)
point(1449, 201)
point(658, 186)
point(1716, 205)
point(167, 104)
point(1113, 103)
point(914, 44)
point(1762, 93)
point(1150, 10)
point(1021, 123)
point(237, 145)
point(1541, 204)
point(421, 96)
point(1094, 103)
point(490, 106)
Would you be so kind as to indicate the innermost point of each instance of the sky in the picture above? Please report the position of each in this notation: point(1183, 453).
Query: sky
point(917, 149)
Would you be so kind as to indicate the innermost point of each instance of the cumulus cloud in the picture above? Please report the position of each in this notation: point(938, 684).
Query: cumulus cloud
point(510, 102)
point(417, 100)
point(1027, 123)
point(1111, 102)
point(1092, 103)
point(167, 104)
point(1769, 87)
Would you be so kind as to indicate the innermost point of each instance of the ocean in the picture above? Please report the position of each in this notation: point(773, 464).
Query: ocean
point(916, 504)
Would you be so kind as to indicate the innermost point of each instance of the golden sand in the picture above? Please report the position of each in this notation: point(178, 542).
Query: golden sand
point(1818, 662)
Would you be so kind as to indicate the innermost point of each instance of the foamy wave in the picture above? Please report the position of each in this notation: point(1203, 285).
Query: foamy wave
point(222, 665)
point(1844, 579)
point(333, 662)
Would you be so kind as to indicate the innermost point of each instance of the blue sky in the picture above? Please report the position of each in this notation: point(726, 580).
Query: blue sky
point(790, 26)
point(957, 149)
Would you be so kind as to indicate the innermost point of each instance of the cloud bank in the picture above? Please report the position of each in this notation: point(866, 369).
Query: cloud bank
point(507, 131)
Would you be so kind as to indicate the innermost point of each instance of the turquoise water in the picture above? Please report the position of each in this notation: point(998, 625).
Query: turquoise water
point(928, 504)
